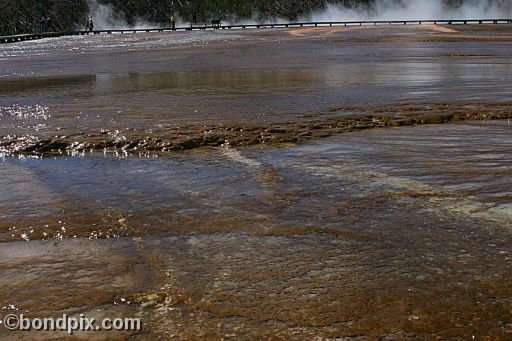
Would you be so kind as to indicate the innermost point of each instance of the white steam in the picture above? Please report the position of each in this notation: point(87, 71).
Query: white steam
point(417, 10)
point(106, 18)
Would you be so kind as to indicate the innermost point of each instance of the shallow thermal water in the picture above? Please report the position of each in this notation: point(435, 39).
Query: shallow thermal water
point(386, 232)
point(399, 233)
point(154, 82)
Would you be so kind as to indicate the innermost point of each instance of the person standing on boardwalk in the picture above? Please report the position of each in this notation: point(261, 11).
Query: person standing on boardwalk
point(90, 25)
point(48, 24)
point(42, 25)
point(173, 22)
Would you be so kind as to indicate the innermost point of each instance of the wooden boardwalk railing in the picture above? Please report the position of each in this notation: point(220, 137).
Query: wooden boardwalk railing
point(25, 37)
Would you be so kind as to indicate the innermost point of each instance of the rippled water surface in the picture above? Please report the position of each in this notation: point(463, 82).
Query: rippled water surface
point(401, 233)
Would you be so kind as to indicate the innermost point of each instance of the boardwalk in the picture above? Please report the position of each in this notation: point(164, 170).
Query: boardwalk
point(25, 37)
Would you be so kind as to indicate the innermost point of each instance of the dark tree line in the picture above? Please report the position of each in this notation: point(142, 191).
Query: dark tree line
point(23, 16)
point(160, 10)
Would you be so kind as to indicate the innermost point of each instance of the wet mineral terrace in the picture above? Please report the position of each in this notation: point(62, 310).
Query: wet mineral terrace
point(349, 184)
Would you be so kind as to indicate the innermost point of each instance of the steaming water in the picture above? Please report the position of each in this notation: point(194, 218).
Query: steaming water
point(395, 233)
